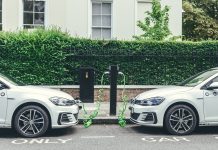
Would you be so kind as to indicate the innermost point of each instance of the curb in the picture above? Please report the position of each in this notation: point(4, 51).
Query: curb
point(106, 121)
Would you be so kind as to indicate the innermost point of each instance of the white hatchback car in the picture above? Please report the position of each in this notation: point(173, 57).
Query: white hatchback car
point(180, 108)
point(31, 111)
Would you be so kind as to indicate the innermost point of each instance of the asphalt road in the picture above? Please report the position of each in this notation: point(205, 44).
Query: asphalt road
point(112, 137)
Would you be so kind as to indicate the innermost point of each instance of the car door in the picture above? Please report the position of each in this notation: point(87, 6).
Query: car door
point(3, 102)
point(211, 103)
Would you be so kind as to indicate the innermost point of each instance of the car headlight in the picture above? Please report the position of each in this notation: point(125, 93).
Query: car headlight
point(153, 101)
point(59, 101)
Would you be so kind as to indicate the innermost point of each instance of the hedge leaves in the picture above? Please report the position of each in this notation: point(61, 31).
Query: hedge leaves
point(51, 58)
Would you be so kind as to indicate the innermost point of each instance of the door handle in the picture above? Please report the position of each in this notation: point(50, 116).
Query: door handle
point(2, 94)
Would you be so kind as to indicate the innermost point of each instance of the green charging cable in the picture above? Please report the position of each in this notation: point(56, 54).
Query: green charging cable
point(121, 116)
point(88, 119)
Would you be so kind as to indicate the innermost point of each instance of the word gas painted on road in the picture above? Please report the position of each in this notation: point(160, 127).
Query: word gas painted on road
point(41, 141)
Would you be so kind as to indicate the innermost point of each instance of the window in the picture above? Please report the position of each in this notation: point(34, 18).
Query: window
point(33, 14)
point(101, 20)
point(0, 15)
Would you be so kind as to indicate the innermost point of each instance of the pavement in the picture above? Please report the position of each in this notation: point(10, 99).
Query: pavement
point(111, 137)
point(103, 115)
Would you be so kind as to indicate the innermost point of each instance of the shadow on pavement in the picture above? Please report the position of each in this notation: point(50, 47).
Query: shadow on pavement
point(206, 130)
point(134, 129)
point(10, 133)
point(155, 131)
point(61, 132)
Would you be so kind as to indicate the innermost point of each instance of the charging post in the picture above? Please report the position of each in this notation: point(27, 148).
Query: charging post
point(113, 89)
point(113, 76)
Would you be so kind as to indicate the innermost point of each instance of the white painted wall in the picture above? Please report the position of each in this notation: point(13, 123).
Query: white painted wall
point(142, 7)
point(56, 14)
point(10, 15)
point(75, 16)
point(175, 15)
point(123, 19)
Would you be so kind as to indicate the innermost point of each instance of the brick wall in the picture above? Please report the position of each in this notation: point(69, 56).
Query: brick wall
point(130, 90)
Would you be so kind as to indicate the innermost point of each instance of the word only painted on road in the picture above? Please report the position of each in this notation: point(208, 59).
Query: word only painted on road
point(40, 141)
point(165, 139)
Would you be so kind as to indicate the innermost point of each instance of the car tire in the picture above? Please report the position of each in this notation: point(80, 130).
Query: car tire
point(31, 121)
point(180, 120)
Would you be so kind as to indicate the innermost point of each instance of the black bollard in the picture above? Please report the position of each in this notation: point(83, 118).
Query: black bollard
point(86, 79)
point(113, 89)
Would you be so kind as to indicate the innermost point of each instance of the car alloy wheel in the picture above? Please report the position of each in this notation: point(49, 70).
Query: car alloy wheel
point(180, 120)
point(31, 121)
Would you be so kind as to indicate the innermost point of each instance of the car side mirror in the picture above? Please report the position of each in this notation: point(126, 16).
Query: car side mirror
point(213, 86)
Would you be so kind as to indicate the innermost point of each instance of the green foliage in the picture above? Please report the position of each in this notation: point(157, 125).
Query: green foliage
point(155, 24)
point(51, 57)
point(200, 21)
point(35, 57)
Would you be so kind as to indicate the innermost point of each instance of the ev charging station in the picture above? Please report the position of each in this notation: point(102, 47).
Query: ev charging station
point(86, 80)
point(86, 77)
point(113, 89)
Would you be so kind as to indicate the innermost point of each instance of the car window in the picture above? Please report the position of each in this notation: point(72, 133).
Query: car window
point(198, 78)
point(215, 80)
point(11, 80)
point(210, 82)
point(3, 86)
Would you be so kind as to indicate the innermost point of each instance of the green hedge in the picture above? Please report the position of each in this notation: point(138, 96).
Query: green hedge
point(51, 57)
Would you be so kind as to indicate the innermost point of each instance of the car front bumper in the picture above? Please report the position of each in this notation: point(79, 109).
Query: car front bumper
point(146, 115)
point(65, 116)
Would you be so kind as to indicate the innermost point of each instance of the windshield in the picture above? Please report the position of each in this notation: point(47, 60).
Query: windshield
point(11, 80)
point(198, 78)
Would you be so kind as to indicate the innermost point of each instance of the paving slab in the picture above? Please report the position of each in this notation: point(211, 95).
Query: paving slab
point(104, 113)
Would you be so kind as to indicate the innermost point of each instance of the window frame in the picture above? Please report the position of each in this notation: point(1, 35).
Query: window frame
point(101, 27)
point(33, 13)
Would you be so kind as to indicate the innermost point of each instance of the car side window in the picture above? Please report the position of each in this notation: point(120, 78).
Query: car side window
point(3, 86)
point(210, 82)
point(215, 80)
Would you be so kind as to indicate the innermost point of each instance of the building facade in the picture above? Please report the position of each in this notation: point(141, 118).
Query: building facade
point(96, 19)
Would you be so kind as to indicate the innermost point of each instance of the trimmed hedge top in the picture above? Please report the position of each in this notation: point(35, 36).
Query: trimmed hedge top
point(51, 57)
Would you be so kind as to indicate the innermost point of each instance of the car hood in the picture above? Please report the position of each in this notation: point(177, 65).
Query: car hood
point(44, 91)
point(163, 92)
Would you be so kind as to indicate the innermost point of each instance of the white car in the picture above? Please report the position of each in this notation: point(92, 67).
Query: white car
point(31, 111)
point(180, 108)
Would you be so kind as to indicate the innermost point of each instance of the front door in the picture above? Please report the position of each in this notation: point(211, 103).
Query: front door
point(211, 104)
point(3, 104)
